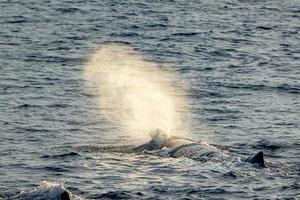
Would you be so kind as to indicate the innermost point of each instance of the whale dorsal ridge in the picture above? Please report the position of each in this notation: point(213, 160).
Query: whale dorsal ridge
point(257, 159)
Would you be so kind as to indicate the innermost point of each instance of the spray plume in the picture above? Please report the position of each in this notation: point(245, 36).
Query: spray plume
point(135, 94)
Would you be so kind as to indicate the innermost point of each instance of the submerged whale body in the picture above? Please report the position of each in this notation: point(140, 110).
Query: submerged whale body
point(183, 147)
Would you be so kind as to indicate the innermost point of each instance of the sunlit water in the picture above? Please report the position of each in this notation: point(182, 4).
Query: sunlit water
point(237, 60)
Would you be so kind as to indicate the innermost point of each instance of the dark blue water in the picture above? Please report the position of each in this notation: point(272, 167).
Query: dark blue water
point(241, 60)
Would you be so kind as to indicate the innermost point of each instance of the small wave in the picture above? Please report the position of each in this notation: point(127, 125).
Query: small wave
point(221, 111)
point(159, 25)
point(128, 34)
point(70, 10)
point(292, 186)
point(58, 105)
point(230, 175)
point(50, 59)
point(186, 34)
point(100, 148)
point(266, 144)
point(69, 154)
point(118, 195)
point(18, 20)
point(292, 89)
point(56, 169)
point(27, 106)
point(32, 129)
point(266, 28)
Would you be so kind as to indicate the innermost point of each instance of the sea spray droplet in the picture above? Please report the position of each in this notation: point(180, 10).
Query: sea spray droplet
point(134, 94)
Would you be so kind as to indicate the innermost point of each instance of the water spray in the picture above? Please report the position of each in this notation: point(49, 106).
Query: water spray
point(135, 94)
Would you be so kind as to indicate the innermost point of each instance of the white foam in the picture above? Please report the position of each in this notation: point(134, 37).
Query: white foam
point(46, 190)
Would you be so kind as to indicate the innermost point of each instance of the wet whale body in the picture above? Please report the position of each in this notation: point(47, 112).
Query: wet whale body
point(62, 195)
point(46, 190)
point(183, 147)
point(176, 147)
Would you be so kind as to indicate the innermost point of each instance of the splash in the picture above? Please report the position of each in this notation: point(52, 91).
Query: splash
point(46, 190)
point(136, 95)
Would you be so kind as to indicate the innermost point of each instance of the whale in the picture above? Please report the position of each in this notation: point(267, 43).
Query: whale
point(183, 147)
point(161, 144)
point(46, 190)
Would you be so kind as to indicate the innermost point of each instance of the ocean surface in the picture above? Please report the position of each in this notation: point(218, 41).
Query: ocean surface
point(239, 61)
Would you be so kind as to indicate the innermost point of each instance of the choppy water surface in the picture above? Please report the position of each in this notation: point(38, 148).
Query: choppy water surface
point(239, 59)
